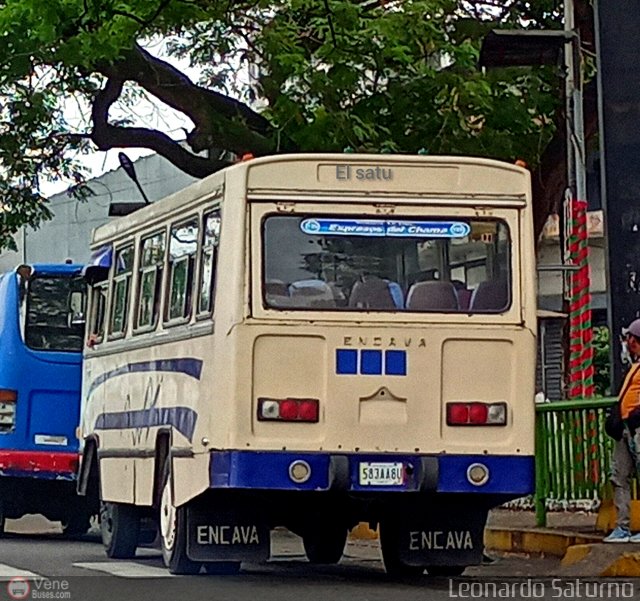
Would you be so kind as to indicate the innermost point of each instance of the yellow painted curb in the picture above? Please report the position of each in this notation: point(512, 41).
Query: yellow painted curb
point(575, 554)
point(548, 542)
point(606, 520)
point(627, 565)
point(606, 516)
point(363, 532)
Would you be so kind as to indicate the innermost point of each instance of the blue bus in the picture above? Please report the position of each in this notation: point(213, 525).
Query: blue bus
point(41, 339)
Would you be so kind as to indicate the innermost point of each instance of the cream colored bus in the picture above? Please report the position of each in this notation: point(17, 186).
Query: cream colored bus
point(313, 341)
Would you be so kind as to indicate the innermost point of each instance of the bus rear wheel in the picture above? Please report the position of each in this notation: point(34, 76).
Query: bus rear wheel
point(76, 523)
point(119, 527)
point(324, 544)
point(173, 531)
point(393, 564)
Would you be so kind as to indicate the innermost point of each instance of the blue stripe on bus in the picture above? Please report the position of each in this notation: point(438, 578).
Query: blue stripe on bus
point(509, 475)
point(188, 366)
point(183, 419)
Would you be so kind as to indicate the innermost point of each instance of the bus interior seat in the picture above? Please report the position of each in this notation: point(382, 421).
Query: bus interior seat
point(433, 296)
point(491, 295)
point(372, 293)
point(396, 293)
point(311, 294)
point(277, 293)
point(338, 294)
point(464, 298)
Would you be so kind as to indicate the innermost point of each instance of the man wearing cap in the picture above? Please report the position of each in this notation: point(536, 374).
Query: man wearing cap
point(626, 451)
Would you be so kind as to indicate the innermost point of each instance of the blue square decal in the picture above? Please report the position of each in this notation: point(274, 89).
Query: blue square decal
point(371, 363)
point(395, 363)
point(346, 361)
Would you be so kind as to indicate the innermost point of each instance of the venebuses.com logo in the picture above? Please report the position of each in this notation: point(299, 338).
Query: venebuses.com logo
point(18, 587)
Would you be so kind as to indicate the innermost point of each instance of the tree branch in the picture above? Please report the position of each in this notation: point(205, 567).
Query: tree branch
point(220, 121)
point(106, 136)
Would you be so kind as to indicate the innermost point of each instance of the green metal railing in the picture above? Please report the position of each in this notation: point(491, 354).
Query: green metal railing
point(573, 452)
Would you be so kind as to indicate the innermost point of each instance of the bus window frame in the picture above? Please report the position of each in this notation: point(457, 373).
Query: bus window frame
point(94, 292)
point(202, 315)
point(169, 322)
point(509, 214)
point(114, 279)
point(24, 300)
point(159, 282)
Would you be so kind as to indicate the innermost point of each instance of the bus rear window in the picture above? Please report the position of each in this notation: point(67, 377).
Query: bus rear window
point(456, 265)
point(54, 320)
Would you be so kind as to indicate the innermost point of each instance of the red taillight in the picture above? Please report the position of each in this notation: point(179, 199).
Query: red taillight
point(309, 411)
point(8, 400)
point(288, 410)
point(476, 414)
point(457, 413)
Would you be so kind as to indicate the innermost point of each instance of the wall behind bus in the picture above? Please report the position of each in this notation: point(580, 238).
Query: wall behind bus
point(68, 234)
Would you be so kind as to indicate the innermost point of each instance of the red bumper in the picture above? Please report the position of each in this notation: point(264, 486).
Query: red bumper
point(38, 462)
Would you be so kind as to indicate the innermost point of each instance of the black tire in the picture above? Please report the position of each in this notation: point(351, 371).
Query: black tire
point(76, 523)
point(173, 531)
point(324, 545)
point(393, 565)
point(445, 571)
point(120, 527)
point(222, 568)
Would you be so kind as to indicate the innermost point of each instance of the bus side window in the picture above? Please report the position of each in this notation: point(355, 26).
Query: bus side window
point(99, 305)
point(150, 280)
point(120, 291)
point(211, 238)
point(183, 246)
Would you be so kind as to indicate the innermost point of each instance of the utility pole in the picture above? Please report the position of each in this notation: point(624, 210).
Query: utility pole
point(617, 26)
point(575, 240)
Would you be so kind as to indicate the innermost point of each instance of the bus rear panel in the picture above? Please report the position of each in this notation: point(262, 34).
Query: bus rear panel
point(41, 339)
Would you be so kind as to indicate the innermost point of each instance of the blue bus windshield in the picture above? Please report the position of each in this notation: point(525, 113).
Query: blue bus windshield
point(49, 323)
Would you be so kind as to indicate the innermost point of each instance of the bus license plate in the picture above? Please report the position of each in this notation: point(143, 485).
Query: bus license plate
point(381, 474)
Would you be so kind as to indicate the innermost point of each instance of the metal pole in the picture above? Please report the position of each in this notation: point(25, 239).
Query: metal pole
point(581, 352)
point(24, 245)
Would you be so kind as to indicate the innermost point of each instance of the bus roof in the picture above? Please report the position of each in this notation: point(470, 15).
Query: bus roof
point(513, 180)
point(54, 268)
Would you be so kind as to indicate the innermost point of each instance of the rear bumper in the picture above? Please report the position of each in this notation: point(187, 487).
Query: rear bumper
point(39, 464)
point(508, 474)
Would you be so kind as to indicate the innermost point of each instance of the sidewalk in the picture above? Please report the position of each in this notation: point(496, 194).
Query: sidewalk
point(515, 531)
point(572, 535)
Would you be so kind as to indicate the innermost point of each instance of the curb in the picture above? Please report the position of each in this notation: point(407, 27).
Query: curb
point(627, 565)
point(538, 540)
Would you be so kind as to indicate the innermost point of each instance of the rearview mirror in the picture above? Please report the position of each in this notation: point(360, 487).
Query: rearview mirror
point(76, 314)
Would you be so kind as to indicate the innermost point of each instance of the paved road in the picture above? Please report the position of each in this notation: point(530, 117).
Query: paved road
point(78, 570)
